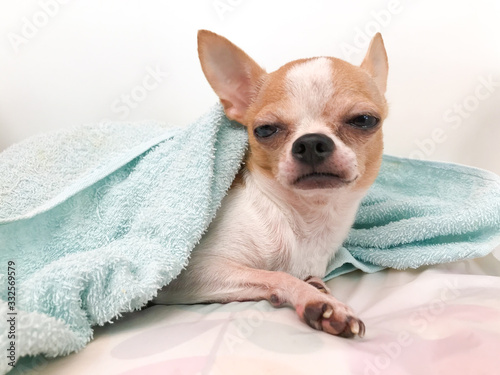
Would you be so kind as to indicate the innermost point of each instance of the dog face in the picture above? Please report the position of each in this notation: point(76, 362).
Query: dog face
point(312, 124)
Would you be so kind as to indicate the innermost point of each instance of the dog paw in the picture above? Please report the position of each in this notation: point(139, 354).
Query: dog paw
point(318, 284)
point(332, 317)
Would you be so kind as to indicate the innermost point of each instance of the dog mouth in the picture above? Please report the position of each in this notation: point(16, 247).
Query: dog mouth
point(321, 180)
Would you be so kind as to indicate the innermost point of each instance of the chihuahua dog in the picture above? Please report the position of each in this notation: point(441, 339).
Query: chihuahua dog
point(315, 147)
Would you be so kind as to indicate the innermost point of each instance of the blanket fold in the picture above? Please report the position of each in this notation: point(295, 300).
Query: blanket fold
point(96, 219)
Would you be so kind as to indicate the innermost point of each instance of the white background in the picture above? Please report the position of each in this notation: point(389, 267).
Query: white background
point(67, 62)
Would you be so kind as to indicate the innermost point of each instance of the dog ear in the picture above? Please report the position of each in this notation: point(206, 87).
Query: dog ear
point(375, 62)
point(233, 75)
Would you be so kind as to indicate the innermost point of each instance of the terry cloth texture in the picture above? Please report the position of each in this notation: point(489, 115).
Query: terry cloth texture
point(96, 219)
point(419, 213)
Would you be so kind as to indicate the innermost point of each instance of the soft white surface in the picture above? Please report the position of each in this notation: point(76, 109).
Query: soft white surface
point(86, 55)
point(437, 320)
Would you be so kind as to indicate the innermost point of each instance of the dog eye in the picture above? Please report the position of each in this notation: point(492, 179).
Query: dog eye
point(265, 131)
point(364, 121)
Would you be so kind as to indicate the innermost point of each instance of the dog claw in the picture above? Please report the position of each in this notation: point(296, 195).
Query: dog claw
point(328, 312)
point(324, 317)
point(361, 329)
point(355, 327)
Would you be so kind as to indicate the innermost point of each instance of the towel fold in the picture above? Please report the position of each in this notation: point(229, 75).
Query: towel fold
point(96, 219)
point(420, 213)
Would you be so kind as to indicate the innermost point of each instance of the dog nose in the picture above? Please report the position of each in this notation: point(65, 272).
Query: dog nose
point(312, 148)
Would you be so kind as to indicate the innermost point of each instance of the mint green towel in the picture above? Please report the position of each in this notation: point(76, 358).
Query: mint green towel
point(98, 218)
point(419, 213)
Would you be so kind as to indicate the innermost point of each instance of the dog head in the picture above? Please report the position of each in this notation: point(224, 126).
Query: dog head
point(313, 123)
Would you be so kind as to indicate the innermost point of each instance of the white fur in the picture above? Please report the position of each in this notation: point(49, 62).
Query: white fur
point(310, 87)
point(290, 233)
point(266, 226)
